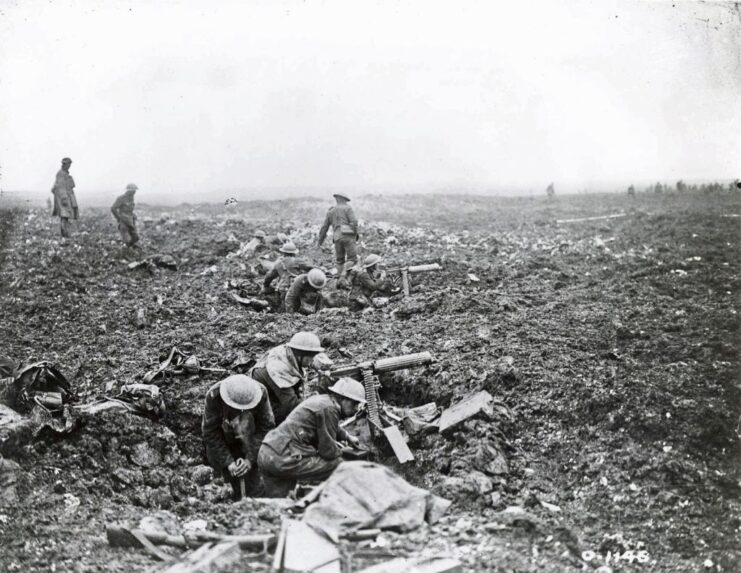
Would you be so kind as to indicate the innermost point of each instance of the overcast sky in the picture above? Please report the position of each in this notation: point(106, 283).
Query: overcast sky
point(189, 97)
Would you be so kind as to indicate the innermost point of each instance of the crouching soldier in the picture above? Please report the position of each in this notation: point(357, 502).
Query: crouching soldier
point(305, 446)
point(283, 370)
point(123, 211)
point(285, 269)
point(366, 282)
point(236, 418)
point(304, 295)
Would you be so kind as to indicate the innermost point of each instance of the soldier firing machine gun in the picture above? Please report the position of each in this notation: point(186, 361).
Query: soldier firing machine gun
point(367, 373)
point(404, 272)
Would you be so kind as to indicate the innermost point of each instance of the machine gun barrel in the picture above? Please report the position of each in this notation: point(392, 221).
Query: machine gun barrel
point(383, 365)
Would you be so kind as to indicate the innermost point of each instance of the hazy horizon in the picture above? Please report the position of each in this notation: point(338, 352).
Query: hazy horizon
point(193, 102)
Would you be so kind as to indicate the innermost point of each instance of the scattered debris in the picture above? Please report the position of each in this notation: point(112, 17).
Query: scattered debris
point(417, 565)
point(301, 548)
point(254, 303)
point(156, 260)
point(581, 219)
point(480, 404)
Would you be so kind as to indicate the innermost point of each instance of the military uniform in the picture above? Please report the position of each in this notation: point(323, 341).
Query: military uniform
point(304, 446)
point(65, 202)
point(123, 211)
point(344, 234)
point(302, 297)
point(283, 377)
point(285, 269)
point(230, 434)
point(363, 286)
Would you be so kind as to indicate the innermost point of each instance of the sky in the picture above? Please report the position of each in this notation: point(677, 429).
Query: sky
point(191, 99)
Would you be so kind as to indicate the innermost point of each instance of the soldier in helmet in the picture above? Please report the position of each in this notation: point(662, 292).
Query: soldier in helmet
point(304, 446)
point(123, 211)
point(344, 235)
point(285, 269)
point(366, 282)
point(303, 296)
point(65, 202)
point(283, 370)
point(236, 417)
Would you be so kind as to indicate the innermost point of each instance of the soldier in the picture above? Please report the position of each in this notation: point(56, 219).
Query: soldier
point(304, 446)
point(344, 235)
point(303, 296)
point(236, 417)
point(283, 370)
point(123, 211)
point(65, 202)
point(365, 282)
point(285, 269)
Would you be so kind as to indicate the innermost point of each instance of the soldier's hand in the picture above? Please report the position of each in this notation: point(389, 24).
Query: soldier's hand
point(239, 467)
point(354, 441)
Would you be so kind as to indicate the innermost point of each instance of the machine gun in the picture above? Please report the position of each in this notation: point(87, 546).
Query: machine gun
point(367, 373)
point(404, 273)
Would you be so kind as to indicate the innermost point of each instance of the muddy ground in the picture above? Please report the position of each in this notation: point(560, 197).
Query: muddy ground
point(614, 343)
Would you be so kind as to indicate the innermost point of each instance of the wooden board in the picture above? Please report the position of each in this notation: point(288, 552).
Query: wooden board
point(398, 444)
point(480, 403)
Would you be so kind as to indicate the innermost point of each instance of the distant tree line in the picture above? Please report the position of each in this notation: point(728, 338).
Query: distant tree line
point(682, 187)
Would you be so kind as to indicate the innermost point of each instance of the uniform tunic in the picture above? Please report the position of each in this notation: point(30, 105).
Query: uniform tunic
point(363, 287)
point(344, 234)
point(123, 211)
point(285, 270)
point(65, 202)
point(305, 445)
point(280, 373)
point(230, 434)
point(302, 297)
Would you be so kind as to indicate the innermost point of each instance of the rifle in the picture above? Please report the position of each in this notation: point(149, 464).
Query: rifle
point(368, 373)
point(406, 271)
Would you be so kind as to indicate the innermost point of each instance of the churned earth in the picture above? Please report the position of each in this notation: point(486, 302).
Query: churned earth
point(613, 343)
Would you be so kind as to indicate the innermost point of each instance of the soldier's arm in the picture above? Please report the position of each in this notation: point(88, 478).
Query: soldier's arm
point(293, 296)
point(212, 433)
point(353, 220)
point(327, 423)
point(264, 418)
point(115, 207)
point(270, 276)
point(325, 228)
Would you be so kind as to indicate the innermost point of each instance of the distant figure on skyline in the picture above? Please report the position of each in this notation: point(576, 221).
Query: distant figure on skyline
point(65, 202)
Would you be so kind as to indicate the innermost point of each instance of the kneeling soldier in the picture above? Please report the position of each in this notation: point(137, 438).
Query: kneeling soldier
point(283, 370)
point(236, 417)
point(366, 282)
point(285, 269)
point(305, 446)
point(304, 296)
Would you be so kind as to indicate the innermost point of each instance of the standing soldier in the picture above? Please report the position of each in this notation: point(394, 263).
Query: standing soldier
point(303, 296)
point(236, 418)
point(285, 269)
point(123, 211)
point(366, 282)
point(305, 446)
point(344, 235)
point(65, 202)
point(283, 370)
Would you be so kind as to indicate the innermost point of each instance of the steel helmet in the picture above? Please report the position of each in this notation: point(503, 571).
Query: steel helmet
point(317, 278)
point(260, 234)
point(240, 392)
point(341, 196)
point(289, 248)
point(131, 187)
point(349, 388)
point(371, 260)
point(306, 341)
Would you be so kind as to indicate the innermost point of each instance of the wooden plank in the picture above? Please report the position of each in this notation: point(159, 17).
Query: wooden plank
point(419, 565)
point(601, 217)
point(306, 550)
point(479, 403)
point(398, 444)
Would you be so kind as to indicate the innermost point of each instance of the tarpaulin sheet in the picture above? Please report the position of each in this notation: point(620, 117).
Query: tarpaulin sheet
point(364, 495)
